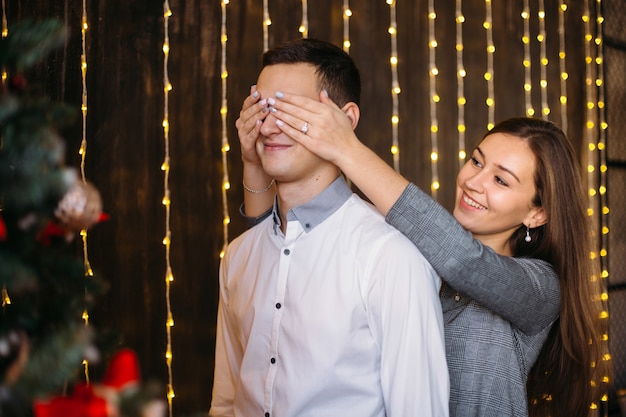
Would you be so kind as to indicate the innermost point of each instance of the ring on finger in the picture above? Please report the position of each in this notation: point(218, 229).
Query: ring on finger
point(305, 128)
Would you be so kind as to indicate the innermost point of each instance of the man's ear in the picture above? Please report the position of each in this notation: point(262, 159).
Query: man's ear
point(353, 112)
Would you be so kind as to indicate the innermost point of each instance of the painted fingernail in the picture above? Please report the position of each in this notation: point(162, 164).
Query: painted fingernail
point(263, 102)
point(271, 101)
point(255, 94)
point(280, 94)
point(280, 123)
point(264, 110)
point(273, 110)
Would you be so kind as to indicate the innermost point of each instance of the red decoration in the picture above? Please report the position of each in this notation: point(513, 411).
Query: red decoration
point(123, 370)
point(3, 230)
point(99, 400)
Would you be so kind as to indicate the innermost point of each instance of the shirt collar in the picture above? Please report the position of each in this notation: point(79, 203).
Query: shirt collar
point(317, 210)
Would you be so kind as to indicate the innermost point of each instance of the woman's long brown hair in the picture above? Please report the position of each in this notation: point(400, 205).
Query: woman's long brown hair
point(567, 378)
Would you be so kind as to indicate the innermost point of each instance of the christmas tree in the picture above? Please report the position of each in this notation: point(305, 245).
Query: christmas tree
point(45, 289)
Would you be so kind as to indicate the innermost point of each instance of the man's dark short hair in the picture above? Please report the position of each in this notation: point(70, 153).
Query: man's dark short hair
point(336, 71)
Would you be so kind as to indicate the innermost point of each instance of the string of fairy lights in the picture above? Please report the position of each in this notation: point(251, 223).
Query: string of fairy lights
point(347, 14)
point(530, 111)
point(267, 21)
point(543, 60)
point(595, 135)
point(6, 300)
point(83, 154)
point(395, 85)
point(166, 201)
point(225, 143)
point(562, 68)
point(304, 25)
point(491, 49)
point(602, 189)
point(460, 82)
point(434, 98)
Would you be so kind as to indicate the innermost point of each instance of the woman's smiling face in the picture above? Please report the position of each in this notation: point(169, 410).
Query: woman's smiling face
point(495, 190)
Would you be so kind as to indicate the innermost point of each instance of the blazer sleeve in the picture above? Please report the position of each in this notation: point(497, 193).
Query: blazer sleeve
point(521, 290)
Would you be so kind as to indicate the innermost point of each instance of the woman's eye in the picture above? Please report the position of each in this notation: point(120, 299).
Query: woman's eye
point(501, 181)
point(475, 162)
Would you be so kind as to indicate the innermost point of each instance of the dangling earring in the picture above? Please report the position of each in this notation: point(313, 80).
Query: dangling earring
point(528, 238)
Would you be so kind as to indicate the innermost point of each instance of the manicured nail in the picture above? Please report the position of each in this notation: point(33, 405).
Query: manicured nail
point(271, 101)
point(273, 110)
point(263, 102)
point(280, 94)
point(255, 94)
point(280, 123)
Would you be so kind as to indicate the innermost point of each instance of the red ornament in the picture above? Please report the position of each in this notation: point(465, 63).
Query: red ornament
point(3, 230)
point(96, 400)
point(123, 371)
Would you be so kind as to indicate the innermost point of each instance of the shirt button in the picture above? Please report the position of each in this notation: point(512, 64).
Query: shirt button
point(286, 251)
point(457, 297)
point(273, 360)
point(278, 305)
point(307, 226)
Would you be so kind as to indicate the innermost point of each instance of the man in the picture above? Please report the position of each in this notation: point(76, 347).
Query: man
point(325, 310)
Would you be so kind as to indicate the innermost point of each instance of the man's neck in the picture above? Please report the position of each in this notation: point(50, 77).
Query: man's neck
point(294, 194)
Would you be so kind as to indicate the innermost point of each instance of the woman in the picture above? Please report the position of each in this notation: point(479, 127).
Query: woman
point(522, 325)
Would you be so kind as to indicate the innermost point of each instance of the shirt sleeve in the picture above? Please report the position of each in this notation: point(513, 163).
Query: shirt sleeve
point(406, 320)
point(523, 291)
point(253, 221)
point(228, 357)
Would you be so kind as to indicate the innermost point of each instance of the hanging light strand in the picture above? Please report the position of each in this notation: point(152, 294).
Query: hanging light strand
point(460, 82)
point(5, 24)
point(395, 85)
point(165, 167)
point(225, 143)
point(267, 21)
point(543, 60)
point(604, 215)
point(530, 111)
point(347, 14)
point(6, 300)
point(590, 133)
point(304, 26)
point(562, 67)
point(489, 75)
point(434, 98)
point(83, 154)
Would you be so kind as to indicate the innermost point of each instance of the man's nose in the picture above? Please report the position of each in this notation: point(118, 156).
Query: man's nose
point(269, 127)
